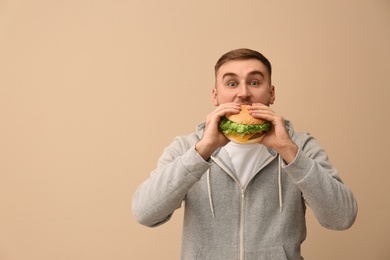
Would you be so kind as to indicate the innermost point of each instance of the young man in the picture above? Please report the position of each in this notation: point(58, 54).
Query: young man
point(244, 201)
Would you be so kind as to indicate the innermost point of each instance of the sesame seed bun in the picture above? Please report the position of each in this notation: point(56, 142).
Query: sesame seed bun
point(244, 117)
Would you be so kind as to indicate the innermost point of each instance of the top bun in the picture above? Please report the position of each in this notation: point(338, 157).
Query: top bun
point(244, 117)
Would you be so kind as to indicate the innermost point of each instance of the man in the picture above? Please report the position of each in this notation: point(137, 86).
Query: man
point(244, 201)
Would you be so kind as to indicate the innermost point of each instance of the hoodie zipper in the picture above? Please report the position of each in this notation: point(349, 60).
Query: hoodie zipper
point(242, 213)
point(242, 224)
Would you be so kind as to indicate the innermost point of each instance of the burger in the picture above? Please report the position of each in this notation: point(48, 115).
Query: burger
point(243, 128)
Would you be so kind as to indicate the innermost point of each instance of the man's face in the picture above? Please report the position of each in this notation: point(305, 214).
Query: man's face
point(244, 82)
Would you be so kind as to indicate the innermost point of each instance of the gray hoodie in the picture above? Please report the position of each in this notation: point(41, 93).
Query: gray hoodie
point(263, 220)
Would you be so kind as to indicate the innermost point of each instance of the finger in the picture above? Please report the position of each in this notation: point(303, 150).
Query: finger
point(265, 114)
point(259, 107)
point(227, 108)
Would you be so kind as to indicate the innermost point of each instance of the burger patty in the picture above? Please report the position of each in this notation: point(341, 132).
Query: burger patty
point(256, 135)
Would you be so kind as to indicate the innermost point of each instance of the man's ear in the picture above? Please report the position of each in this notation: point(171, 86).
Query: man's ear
point(272, 95)
point(214, 97)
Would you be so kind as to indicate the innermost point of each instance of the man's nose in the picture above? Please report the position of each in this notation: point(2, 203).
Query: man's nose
point(243, 91)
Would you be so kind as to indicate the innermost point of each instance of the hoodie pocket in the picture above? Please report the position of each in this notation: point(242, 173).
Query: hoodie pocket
point(200, 255)
point(268, 253)
point(221, 254)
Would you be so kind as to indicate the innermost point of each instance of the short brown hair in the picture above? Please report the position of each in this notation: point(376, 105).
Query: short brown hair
point(243, 54)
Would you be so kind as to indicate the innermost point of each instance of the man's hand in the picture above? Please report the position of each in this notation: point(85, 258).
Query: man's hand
point(277, 138)
point(212, 138)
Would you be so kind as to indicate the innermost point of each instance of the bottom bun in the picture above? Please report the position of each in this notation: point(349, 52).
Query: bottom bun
point(250, 141)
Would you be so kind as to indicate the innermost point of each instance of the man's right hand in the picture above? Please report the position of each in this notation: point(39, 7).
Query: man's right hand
point(212, 138)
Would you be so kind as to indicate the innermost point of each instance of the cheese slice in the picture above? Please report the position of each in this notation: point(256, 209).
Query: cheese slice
point(241, 138)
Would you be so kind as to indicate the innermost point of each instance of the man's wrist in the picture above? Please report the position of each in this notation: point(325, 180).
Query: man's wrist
point(204, 150)
point(289, 152)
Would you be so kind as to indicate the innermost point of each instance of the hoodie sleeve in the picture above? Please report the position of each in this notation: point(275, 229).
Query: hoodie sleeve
point(178, 169)
point(332, 202)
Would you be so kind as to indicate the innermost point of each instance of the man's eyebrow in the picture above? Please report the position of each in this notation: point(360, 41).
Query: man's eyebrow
point(252, 73)
point(256, 72)
point(229, 74)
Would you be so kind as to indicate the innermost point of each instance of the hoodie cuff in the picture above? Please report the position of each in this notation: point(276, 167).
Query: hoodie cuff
point(194, 163)
point(299, 168)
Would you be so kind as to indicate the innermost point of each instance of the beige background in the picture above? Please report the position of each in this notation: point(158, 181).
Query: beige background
point(91, 92)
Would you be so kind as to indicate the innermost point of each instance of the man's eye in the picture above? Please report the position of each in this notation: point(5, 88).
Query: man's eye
point(254, 83)
point(232, 84)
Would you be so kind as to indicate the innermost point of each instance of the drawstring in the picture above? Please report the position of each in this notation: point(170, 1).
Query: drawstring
point(280, 184)
point(209, 189)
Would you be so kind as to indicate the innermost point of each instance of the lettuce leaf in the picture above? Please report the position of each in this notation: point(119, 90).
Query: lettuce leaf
point(230, 127)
